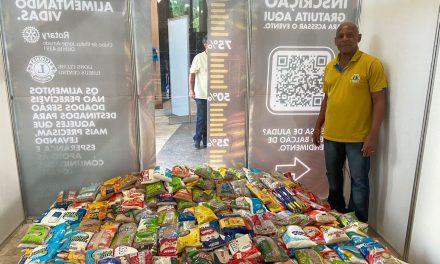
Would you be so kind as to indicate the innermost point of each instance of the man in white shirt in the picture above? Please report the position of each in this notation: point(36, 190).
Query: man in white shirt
point(198, 90)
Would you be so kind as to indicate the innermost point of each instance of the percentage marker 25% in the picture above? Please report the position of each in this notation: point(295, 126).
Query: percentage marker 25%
point(218, 142)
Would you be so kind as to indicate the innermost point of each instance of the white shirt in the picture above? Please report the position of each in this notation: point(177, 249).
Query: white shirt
point(199, 67)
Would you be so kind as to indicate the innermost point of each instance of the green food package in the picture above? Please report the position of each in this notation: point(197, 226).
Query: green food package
point(36, 234)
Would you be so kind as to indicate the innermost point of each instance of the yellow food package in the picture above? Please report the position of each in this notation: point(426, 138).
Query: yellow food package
point(97, 210)
point(231, 222)
point(203, 214)
point(262, 195)
point(190, 238)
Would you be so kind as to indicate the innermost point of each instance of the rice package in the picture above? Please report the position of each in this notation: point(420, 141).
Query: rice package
point(334, 235)
point(295, 237)
point(262, 225)
point(355, 234)
point(154, 189)
point(167, 215)
point(175, 184)
point(87, 193)
point(103, 238)
point(327, 253)
point(143, 257)
point(36, 234)
point(43, 253)
point(167, 237)
point(125, 235)
point(146, 233)
point(129, 181)
point(162, 174)
point(243, 248)
point(308, 256)
point(76, 241)
point(189, 238)
point(124, 250)
point(321, 217)
point(203, 214)
point(181, 171)
point(240, 188)
point(314, 233)
point(270, 250)
point(73, 216)
point(210, 236)
point(184, 195)
point(89, 225)
point(93, 256)
point(222, 256)
point(52, 217)
point(133, 199)
point(147, 177)
point(64, 199)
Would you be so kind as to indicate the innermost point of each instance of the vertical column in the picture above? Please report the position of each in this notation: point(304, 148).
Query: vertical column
point(227, 23)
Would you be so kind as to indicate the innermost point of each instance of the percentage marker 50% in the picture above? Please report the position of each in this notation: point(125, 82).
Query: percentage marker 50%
point(218, 142)
point(219, 97)
point(219, 44)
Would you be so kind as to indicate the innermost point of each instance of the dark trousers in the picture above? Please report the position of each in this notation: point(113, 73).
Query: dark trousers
point(335, 155)
point(201, 122)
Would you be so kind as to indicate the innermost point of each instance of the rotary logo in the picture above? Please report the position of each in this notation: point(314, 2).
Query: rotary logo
point(31, 34)
point(41, 69)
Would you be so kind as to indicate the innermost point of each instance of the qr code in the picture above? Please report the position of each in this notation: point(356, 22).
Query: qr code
point(295, 79)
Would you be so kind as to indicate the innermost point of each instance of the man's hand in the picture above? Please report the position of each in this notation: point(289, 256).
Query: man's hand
point(369, 145)
point(191, 94)
point(317, 137)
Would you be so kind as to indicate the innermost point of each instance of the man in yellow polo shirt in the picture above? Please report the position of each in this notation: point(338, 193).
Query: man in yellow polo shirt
point(351, 112)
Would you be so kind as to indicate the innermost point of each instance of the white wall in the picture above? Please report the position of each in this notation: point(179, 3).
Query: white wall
point(401, 33)
point(11, 206)
point(424, 245)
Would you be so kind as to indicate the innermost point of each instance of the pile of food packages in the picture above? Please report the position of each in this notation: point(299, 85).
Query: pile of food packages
point(198, 215)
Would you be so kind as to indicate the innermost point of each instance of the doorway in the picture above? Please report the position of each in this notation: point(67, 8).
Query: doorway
point(175, 129)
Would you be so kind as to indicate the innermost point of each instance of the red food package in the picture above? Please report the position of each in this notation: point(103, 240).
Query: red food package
point(243, 248)
point(281, 243)
point(168, 247)
point(244, 261)
point(263, 226)
point(315, 234)
point(143, 257)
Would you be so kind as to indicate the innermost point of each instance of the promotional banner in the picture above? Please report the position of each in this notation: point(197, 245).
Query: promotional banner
point(291, 43)
point(71, 82)
point(227, 82)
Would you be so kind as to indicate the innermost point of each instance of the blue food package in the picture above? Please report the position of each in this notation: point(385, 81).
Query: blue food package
point(58, 233)
point(210, 235)
point(43, 253)
point(74, 216)
point(349, 253)
point(93, 256)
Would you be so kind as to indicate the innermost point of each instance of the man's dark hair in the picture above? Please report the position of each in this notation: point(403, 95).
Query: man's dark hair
point(205, 39)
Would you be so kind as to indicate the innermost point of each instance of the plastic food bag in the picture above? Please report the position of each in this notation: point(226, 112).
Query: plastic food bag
point(334, 235)
point(262, 225)
point(175, 184)
point(307, 256)
point(203, 214)
point(36, 234)
point(315, 234)
point(243, 248)
point(133, 199)
point(97, 210)
point(210, 236)
point(154, 189)
point(295, 237)
point(125, 235)
point(87, 193)
point(162, 174)
point(270, 250)
point(321, 216)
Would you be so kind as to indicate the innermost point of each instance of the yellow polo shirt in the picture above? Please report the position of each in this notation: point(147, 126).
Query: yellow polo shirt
point(349, 105)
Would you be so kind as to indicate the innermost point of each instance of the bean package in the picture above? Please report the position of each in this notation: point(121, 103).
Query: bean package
point(198, 215)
